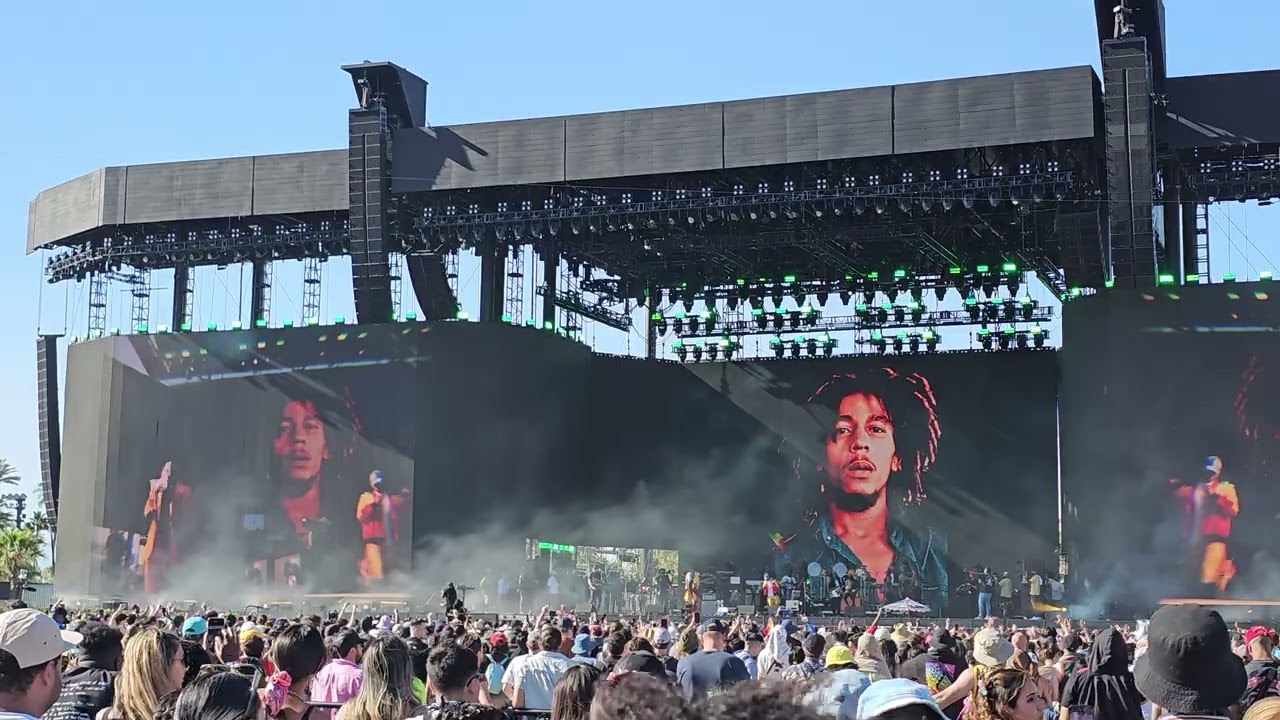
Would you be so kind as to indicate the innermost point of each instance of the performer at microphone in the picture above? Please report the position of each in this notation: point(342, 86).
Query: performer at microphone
point(1210, 506)
point(693, 591)
point(379, 516)
point(164, 512)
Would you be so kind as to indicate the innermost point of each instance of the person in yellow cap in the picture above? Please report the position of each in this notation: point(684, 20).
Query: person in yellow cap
point(31, 646)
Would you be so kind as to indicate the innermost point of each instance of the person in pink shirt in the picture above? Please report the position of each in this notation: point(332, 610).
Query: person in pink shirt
point(340, 679)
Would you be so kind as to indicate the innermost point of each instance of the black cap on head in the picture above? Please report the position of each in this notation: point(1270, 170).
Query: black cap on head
point(714, 626)
point(642, 662)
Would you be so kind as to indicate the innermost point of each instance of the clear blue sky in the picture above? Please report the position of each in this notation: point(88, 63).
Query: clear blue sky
point(92, 84)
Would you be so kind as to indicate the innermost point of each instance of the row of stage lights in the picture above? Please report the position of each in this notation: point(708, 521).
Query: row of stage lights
point(825, 345)
point(996, 310)
point(984, 280)
point(1034, 189)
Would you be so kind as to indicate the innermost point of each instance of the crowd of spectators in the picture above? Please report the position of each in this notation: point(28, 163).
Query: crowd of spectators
point(156, 665)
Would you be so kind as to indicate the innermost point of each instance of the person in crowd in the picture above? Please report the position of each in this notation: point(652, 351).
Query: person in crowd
point(571, 699)
point(1188, 668)
point(814, 647)
point(1007, 694)
point(775, 657)
point(89, 687)
point(297, 654)
point(1262, 671)
point(31, 647)
point(840, 685)
point(1106, 685)
point(753, 644)
point(454, 682)
point(153, 665)
point(494, 666)
point(990, 652)
point(868, 659)
point(219, 696)
point(938, 668)
point(194, 657)
point(710, 669)
point(662, 642)
point(532, 682)
point(418, 654)
point(194, 628)
point(340, 679)
point(584, 650)
point(898, 699)
point(386, 688)
point(641, 696)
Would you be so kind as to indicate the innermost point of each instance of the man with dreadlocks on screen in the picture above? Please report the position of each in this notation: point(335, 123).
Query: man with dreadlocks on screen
point(880, 435)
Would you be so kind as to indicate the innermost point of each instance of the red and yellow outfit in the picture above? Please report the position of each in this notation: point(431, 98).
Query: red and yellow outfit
point(1216, 506)
point(379, 516)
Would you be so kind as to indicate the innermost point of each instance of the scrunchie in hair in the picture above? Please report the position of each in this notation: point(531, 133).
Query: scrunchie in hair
point(277, 692)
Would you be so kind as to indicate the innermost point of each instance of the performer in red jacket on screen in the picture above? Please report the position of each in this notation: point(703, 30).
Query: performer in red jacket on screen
point(1210, 507)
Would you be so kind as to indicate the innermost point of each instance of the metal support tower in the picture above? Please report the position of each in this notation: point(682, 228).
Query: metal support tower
point(1202, 240)
point(395, 263)
point(183, 296)
point(513, 308)
point(260, 297)
point(140, 288)
point(98, 304)
point(451, 270)
point(310, 290)
point(568, 285)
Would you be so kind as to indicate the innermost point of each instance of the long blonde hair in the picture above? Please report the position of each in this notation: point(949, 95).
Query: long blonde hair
point(144, 673)
point(387, 691)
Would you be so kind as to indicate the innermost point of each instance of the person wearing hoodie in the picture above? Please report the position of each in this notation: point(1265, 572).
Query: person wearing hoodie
point(1105, 683)
point(937, 669)
point(868, 659)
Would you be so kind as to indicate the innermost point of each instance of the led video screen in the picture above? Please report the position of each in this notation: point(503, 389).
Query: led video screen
point(910, 467)
point(276, 459)
point(325, 459)
point(1169, 440)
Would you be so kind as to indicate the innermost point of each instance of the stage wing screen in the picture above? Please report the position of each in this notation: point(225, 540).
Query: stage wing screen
point(1170, 436)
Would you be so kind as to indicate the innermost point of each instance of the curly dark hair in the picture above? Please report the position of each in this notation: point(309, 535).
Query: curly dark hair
point(995, 695)
point(909, 400)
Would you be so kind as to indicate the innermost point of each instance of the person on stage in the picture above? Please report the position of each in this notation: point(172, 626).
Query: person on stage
point(165, 512)
point(693, 591)
point(880, 437)
point(772, 593)
point(1210, 507)
point(379, 516)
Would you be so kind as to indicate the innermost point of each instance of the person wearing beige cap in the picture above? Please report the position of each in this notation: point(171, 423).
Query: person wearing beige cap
point(30, 675)
point(991, 650)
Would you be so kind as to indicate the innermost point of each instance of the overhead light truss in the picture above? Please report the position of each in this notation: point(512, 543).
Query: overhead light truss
point(877, 318)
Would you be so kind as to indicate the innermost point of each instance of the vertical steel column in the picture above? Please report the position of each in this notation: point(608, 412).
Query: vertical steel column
point(550, 280)
point(140, 288)
point(260, 293)
point(1188, 237)
point(1172, 224)
point(183, 292)
point(311, 291)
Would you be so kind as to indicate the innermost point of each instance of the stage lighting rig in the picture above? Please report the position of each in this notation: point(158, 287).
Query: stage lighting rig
point(725, 347)
point(822, 345)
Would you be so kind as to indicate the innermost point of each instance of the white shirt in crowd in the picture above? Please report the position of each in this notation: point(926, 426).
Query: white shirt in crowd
point(537, 677)
point(553, 585)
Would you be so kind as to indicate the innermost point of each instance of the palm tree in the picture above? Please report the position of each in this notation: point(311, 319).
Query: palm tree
point(39, 524)
point(19, 550)
point(8, 473)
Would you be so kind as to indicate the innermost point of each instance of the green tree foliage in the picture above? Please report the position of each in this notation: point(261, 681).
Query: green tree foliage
point(20, 550)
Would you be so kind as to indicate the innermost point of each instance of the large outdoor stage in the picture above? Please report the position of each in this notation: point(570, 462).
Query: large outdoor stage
point(498, 433)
